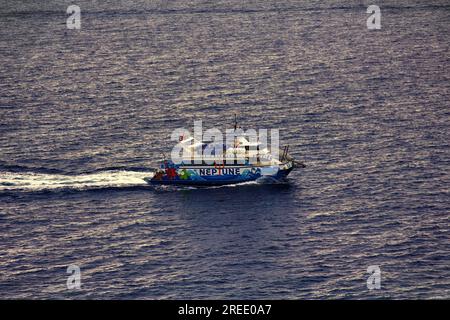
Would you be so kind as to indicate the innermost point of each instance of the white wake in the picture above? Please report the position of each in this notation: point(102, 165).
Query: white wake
point(29, 181)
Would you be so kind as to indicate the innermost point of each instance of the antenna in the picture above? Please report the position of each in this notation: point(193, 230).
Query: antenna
point(283, 154)
point(235, 122)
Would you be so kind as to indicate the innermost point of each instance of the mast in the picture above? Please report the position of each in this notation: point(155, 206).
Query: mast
point(235, 144)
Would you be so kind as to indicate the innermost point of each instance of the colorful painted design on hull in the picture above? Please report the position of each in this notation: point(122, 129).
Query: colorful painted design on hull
point(172, 174)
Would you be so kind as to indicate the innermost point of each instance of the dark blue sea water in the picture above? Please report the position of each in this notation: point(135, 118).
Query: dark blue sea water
point(84, 115)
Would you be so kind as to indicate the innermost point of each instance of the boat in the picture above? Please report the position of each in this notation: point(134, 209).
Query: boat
point(241, 161)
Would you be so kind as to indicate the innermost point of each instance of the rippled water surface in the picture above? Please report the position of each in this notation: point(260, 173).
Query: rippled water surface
point(85, 114)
